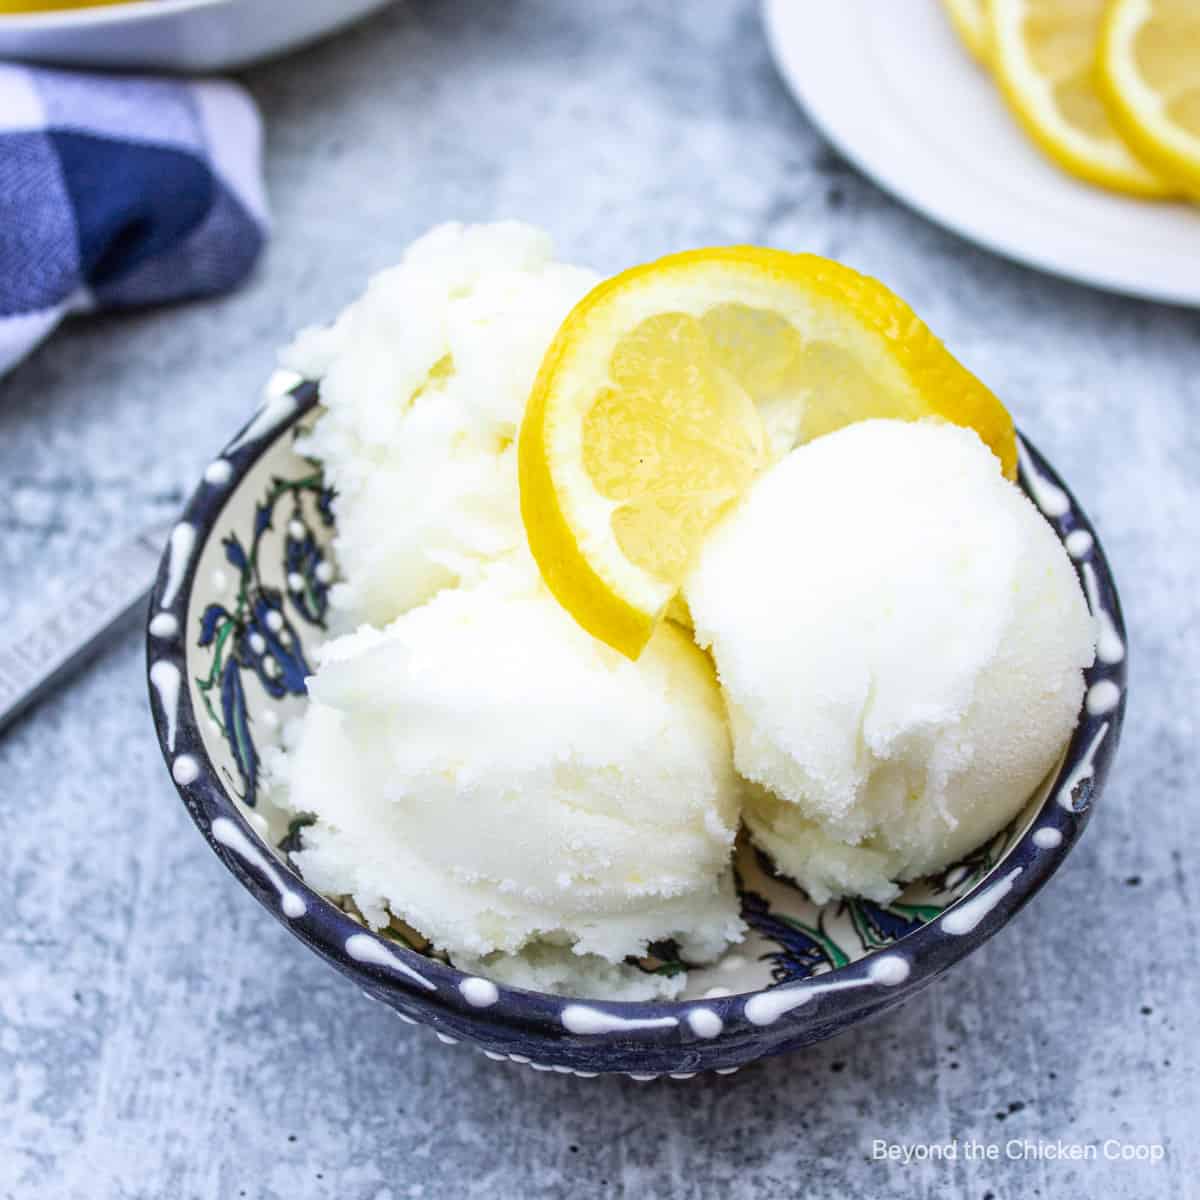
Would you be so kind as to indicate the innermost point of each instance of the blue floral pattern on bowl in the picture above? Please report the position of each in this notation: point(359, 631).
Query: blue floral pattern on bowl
point(245, 593)
point(256, 634)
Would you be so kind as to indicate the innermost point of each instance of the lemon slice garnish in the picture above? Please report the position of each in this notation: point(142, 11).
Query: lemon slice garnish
point(970, 21)
point(671, 386)
point(1150, 77)
point(1043, 54)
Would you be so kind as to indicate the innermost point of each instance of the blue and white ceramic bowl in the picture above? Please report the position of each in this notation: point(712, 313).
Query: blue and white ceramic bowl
point(240, 605)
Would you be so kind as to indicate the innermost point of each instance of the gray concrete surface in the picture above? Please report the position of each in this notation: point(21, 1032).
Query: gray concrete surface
point(161, 1037)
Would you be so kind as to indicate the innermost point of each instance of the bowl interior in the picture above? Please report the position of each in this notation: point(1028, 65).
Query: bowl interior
point(258, 608)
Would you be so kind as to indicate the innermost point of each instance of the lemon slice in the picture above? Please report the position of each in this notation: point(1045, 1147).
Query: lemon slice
point(970, 21)
point(1043, 54)
point(669, 387)
point(1150, 77)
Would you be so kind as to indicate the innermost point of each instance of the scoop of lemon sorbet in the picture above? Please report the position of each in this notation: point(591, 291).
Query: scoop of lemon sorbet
point(500, 780)
point(423, 384)
point(900, 638)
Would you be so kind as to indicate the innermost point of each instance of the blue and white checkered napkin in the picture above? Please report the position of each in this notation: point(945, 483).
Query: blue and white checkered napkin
point(118, 191)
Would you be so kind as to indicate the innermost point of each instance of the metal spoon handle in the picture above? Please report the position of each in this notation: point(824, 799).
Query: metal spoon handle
point(42, 657)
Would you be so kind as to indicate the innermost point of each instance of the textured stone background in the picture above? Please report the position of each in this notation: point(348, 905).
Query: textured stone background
point(159, 1036)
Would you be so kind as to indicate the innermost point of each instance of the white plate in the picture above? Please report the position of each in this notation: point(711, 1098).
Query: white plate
point(177, 35)
point(892, 89)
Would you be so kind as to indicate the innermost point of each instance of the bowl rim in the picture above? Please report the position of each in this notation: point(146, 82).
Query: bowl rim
point(923, 954)
point(108, 14)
